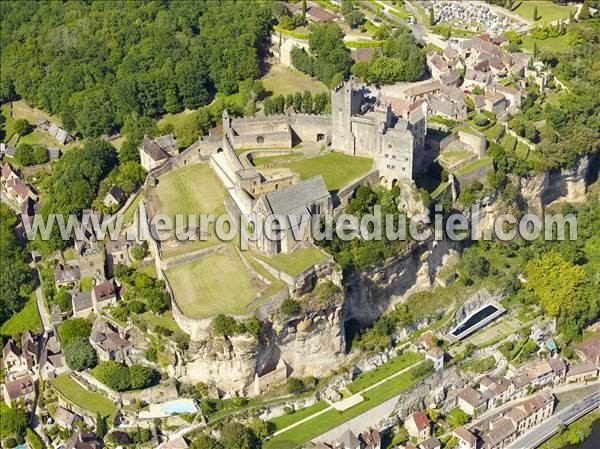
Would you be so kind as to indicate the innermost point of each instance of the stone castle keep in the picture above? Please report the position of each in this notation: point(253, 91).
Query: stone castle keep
point(360, 125)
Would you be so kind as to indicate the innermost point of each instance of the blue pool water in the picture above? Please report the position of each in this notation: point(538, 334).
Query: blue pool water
point(181, 407)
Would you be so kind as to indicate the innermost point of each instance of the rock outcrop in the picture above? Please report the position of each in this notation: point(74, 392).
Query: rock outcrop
point(311, 343)
point(370, 294)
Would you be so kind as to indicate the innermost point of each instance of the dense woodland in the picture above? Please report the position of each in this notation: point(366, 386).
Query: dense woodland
point(94, 64)
point(16, 280)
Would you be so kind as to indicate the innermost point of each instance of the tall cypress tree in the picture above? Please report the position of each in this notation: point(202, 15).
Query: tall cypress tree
point(431, 17)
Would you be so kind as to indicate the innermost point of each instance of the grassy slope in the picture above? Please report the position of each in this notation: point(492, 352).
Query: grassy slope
point(218, 283)
point(296, 262)
point(547, 11)
point(94, 402)
point(27, 318)
point(282, 80)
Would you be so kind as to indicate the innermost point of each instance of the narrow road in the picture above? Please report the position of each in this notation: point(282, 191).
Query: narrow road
point(549, 427)
point(39, 297)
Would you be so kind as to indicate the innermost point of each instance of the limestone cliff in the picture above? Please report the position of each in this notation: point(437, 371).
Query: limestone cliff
point(370, 294)
point(310, 343)
point(569, 184)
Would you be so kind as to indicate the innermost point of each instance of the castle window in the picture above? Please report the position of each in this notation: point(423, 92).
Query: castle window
point(389, 145)
point(403, 168)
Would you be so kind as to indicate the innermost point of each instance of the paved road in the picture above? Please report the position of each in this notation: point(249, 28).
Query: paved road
point(549, 427)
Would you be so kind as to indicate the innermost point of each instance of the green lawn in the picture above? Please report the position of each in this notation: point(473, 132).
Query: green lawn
point(165, 320)
point(218, 283)
point(290, 418)
point(330, 419)
point(474, 165)
point(191, 190)
point(282, 80)
point(265, 160)
point(550, 44)
point(129, 213)
point(387, 369)
point(89, 400)
point(337, 169)
point(27, 318)
point(547, 11)
point(296, 262)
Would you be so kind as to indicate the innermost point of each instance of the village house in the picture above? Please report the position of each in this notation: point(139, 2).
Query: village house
point(471, 401)
point(83, 440)
point(151, 154)
point(117, 252)
point(320, 15)
point(370, 439)
point(442, 106)
point(83, 304)
point(22, 389)
point(589, 349)
point(66, 418)
point(421, 91)
point(544, 372)
point(496, 389)
point(495, 103)
point(12, 363)
point(103, 295)
point(347, 441)
point(14, 187)
point(476, 78)
point(418, 425)
point(436, 355)
point(52, 360)
point(66, 276)
point(465, 439)
point(430, 443)
point(108, 341)
point(581, 372)
point(30, 350)
point(114, 197)
point(518, 420)
point(512, 94)
point(436, 64)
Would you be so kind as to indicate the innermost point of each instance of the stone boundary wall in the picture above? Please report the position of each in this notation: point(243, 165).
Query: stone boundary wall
point(345, 194)
point(474, 175)
point(188, 257)
point(447, 141)
point(477, 142)
point(272, 304)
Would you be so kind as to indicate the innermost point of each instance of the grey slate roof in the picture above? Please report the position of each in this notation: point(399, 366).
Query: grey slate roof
point(349, 441)
point(82, 301)
point(291, 199)
point(155, 152)
point(443, 106)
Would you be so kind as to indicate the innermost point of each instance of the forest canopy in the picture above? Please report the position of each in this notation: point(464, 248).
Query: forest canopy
point(95, 63)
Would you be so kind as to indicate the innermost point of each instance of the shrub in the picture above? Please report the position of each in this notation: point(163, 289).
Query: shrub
point(294, 385)
point(74, 329)
point(80, 354)
point(290, 307)
point(122, 378)
point(481, 120)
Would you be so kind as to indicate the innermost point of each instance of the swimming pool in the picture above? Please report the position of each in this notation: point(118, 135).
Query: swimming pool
point(475, 319)
point(171, 408)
